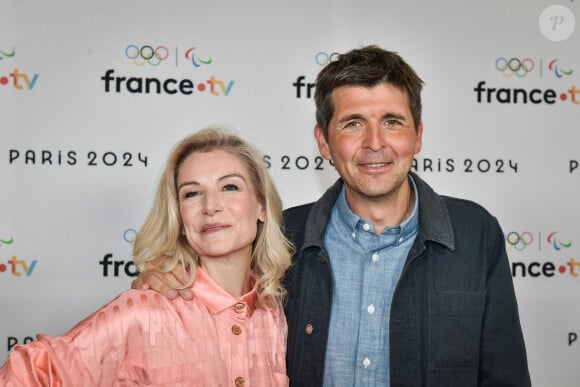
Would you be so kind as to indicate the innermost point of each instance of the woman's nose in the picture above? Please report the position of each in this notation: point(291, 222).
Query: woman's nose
point(212, 204)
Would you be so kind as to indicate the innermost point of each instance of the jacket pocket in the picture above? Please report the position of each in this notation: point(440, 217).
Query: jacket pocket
point(454, 329)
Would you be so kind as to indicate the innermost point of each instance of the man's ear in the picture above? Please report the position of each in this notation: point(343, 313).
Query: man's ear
point(323, 147)
point(419, 140)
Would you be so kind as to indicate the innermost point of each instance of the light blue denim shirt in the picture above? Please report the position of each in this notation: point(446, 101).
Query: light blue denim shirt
point(366, 269)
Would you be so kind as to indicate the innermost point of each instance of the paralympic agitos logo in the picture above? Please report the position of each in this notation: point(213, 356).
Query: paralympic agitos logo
point(514, 69)
point(163, 57)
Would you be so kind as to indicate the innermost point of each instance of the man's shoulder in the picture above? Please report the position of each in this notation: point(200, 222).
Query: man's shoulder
point(461, 205)
point(295, 217)
point(466, 214)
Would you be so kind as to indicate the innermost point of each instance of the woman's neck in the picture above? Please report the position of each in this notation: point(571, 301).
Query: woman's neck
point(232, 274)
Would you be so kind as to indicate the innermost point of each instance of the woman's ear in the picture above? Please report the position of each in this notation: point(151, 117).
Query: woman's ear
point(262, 214)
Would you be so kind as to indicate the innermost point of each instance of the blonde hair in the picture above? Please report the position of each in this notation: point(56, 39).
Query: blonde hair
point(160, 245)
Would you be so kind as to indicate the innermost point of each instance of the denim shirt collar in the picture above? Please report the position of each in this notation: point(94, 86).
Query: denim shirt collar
point(433, 216)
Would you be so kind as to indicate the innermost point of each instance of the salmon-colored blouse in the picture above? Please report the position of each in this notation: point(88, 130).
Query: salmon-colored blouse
point(143, 338)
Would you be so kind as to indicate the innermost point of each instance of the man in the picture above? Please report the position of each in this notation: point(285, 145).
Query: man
point(392, 284)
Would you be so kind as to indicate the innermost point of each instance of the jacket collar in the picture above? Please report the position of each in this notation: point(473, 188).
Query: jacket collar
point(434, 220)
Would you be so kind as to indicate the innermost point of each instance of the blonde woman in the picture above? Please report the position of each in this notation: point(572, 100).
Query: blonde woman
point(217, 213)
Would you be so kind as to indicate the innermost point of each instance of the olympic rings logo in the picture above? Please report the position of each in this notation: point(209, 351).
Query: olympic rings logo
point(146, 54)
point(509, 67)
point(519, 241)
point(129, 235)
point(322, 58)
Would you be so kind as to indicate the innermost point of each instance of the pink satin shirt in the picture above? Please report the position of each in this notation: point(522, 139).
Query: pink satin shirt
point(143, 338)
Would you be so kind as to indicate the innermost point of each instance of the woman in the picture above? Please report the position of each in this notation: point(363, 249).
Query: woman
point(216, 211)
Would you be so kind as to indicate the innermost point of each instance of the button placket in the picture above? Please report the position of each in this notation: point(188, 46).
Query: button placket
point(236, 329)
point(239, 308)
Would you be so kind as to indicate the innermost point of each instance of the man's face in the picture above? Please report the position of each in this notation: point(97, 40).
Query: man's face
point(372, 141)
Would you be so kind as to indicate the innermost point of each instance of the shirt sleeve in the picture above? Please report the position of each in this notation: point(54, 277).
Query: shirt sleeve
point(46, 362)
point(90, 354)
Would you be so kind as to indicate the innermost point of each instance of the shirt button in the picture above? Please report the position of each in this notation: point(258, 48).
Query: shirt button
point(239, 308)
point(366, 227)
point(240, 381)
point(236, 329)
point(308, 329)
point(371, 309)
point(367, 362)
point(375, 257)
point(353, 235)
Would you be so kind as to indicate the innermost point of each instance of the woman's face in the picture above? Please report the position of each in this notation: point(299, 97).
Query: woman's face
point(218, 206)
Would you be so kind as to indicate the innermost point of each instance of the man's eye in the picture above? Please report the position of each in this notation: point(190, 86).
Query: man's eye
point(393, 122)
point(352, 124)
point(230, 187)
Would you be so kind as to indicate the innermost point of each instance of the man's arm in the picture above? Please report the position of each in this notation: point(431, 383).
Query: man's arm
point(503, 359)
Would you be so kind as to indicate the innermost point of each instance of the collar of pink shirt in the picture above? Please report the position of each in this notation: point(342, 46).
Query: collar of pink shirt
point(217, 299)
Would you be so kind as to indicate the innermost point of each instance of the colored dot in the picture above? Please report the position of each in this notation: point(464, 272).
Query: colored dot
point(4, 80)
point(562, 269)
point(2, 268)
point(201, 87)
point(563, 96)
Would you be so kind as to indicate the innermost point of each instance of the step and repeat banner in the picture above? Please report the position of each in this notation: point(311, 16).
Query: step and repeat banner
point(93, 95)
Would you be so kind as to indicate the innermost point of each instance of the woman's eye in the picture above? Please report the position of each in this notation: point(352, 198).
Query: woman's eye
point(190, 194)
point(230, 187)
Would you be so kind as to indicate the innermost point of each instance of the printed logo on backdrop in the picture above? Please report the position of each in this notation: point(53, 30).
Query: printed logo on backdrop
point(113, 267)
point(305, 88)
point(164, 59)
point(300, 162)
point(573, 166)
point(513, 73)
point(12, 265)
point(534, 255)
point(70, 158)
point(12, 77)
point(482, 166)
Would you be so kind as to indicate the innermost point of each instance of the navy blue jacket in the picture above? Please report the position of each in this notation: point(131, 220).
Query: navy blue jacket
point(454, 316)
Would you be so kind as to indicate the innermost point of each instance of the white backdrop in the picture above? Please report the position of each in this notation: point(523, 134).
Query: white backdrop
point(82, 142)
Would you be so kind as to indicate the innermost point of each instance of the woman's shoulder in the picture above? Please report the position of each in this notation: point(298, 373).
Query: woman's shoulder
point(128, 309)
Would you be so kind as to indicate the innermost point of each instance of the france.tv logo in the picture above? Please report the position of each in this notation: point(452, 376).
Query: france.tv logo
point(514, 68)
point(17, 79)
point(155, 56)
point(16, 267)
